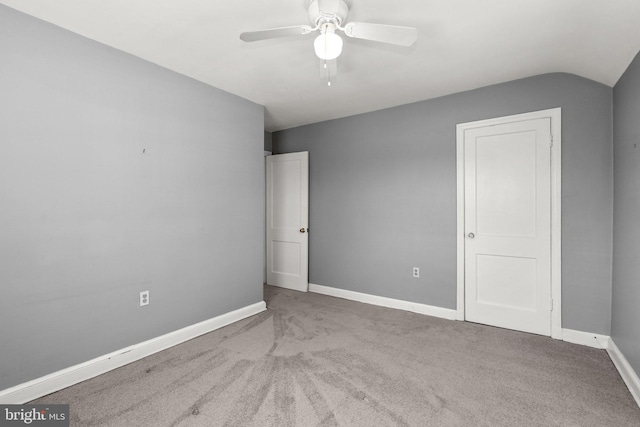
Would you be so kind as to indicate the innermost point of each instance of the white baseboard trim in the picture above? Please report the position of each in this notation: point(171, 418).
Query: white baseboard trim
point(629, 376)
point(414, 307)
point(53, 382)
point(586, 338)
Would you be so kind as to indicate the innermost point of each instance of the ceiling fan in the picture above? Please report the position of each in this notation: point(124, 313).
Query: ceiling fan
point(326, 17)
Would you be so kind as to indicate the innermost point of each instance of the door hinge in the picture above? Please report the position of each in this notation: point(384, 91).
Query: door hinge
point(551, 304)
point(551, 140)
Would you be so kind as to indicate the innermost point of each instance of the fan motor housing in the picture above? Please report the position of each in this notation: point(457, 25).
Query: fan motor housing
point(334, 11)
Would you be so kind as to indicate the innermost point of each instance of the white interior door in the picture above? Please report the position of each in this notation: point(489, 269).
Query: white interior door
point(507, 223)
point(288, 220)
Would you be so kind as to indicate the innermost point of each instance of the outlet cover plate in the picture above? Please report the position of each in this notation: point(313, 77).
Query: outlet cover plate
point(144, 298)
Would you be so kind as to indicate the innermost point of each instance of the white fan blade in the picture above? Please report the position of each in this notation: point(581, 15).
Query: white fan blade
point(391, 34)
point(273, 33)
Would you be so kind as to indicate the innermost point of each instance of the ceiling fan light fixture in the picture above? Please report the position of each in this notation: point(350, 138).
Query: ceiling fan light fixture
point(328, 45)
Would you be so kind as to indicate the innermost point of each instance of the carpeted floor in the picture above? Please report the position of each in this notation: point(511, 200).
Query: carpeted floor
point(316, 360)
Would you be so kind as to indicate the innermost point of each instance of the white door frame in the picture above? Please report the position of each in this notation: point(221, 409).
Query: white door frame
point(555, 115)
point(264, 230)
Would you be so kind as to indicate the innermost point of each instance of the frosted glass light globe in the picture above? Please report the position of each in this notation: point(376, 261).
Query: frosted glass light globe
point(328, 45)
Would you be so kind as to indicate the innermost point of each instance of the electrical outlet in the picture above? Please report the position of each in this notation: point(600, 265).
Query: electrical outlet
point(144, 298)
point(416, 272)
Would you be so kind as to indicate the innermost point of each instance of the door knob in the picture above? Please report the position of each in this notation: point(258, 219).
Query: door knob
point(471, 235)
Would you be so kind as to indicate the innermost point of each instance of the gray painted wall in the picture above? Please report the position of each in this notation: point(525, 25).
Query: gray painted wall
point(625, 316)
point(383, 194)
point(89, 221)
point(268, 141)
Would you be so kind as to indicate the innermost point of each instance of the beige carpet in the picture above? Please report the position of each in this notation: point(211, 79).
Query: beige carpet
point(316, 360)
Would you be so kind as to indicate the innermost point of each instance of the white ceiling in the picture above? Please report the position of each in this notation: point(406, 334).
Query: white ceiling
point(462, 44)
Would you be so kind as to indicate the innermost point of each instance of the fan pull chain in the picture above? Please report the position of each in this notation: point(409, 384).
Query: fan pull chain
point(325, 55)
point(328, 73)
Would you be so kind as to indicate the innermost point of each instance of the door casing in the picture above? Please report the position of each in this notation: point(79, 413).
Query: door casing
point(555, 115)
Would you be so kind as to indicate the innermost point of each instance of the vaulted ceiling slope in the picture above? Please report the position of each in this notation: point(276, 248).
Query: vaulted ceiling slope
point(462, 45)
